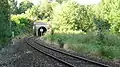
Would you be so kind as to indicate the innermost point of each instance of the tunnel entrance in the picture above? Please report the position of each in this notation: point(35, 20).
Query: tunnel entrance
point(41, 31)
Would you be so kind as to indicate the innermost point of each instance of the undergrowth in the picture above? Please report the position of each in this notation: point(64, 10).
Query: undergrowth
point(88, 43)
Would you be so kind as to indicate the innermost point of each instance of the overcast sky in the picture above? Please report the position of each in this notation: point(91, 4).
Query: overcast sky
point(88, 2)
point(83, 2)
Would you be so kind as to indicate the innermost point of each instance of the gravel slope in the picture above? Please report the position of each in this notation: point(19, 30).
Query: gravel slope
point(21, 55)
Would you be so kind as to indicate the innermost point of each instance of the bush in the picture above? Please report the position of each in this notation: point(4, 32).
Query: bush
point(21, 24)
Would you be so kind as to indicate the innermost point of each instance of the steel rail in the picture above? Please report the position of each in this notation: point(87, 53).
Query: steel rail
point(72, 55)
point(62, 61)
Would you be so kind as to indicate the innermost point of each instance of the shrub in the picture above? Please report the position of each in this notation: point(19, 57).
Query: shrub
point(20, 24)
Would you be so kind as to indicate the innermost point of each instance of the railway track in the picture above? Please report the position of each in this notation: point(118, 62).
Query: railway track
point(63, 57)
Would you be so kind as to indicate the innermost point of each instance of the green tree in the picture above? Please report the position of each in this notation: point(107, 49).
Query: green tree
point(45, 12)
point(21, 24)
point(71, 16)
point(33, 12)
point(24, 5)
point(110, 10)
point(13, 6)
point(4, 21)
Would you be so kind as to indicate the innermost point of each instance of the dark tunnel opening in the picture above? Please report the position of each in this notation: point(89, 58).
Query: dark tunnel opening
point(41, 31)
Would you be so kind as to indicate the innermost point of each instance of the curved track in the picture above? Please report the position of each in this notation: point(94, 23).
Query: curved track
point(63, 57)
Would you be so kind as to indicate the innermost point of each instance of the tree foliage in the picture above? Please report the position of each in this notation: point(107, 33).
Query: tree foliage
point(45, 11)
point(33, 12)
point(110, 10)
point(41, 12)
point(24, 5)
point(13, 6)
point(4, 20)
point(68, 15)
point(71, 16)
point(21, 24)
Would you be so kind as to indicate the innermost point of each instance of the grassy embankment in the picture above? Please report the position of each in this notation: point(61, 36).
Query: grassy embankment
point(88, 43)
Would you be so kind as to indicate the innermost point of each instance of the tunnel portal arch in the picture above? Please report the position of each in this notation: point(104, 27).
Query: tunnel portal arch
point(44, 30)
point(37, 26)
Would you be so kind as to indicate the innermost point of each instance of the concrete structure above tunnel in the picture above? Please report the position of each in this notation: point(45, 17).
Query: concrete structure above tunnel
point(40, 28)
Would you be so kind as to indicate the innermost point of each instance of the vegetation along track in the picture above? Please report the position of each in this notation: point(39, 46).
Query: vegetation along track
point(63, 57)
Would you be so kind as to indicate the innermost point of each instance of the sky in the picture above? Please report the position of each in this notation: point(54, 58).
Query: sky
point(82, 2)
point(88, 2)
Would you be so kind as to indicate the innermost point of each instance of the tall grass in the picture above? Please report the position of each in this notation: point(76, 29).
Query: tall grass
point(87, 43)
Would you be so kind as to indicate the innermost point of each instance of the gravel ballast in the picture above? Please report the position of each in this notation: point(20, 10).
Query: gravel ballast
point(21, 55)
